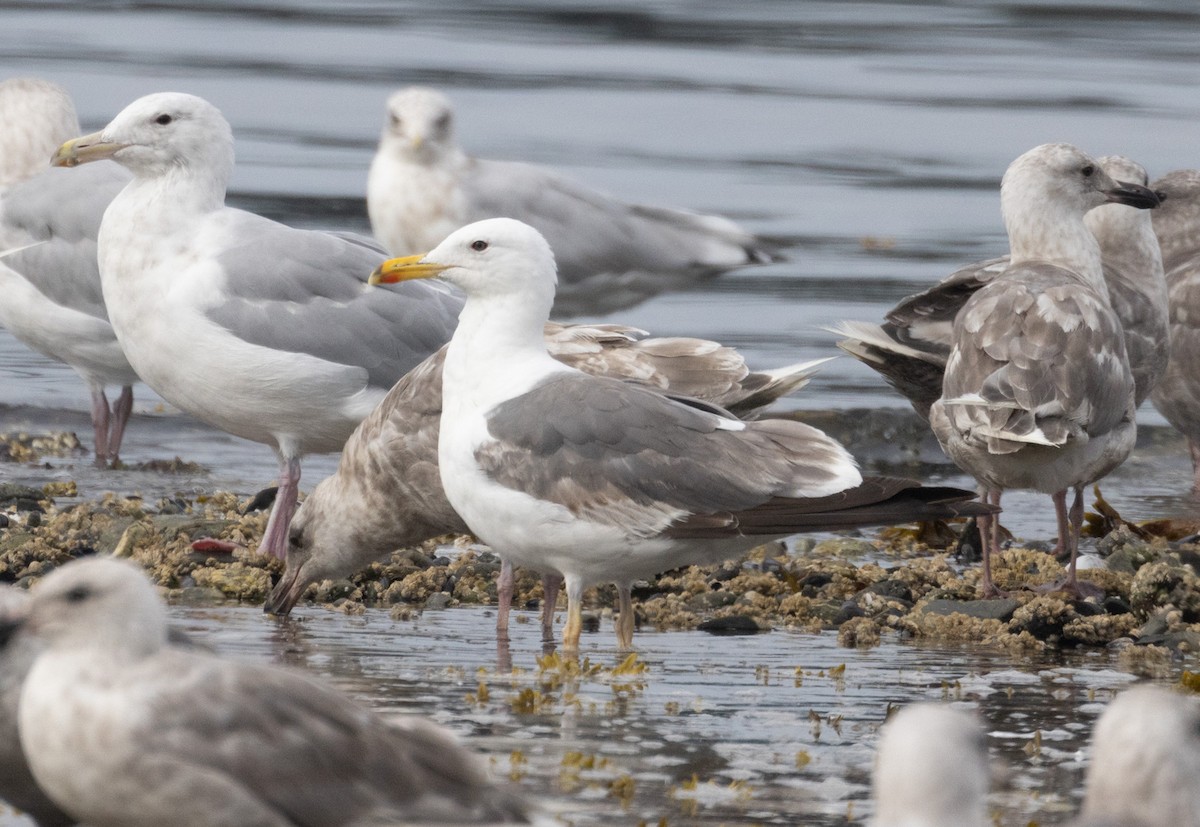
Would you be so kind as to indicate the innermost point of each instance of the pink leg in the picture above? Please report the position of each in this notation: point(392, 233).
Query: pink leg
point(100, 427)
point(275, 538)
point(1076, 525)
point(504, 597)
point(551, 583)
point(989, 536)
point(121, 410)
point(1064, 526)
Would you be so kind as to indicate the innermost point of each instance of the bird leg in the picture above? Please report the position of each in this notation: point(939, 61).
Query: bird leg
point(1070, 525)
point(625, 620)
point(574, 626)
point(1194, 450)
point(551, 583)
point(121, 410)
point(275, 538)
point(989, 538)
point(504, 596)
point(100, 427)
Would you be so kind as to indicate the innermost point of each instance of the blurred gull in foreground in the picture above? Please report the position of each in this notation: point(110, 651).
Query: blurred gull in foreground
point(610, 254)
point(1038, 392)
point(17, 786)
point(1145, 762)
point(123, 729)
point(601, 480)
point(51, 293)
point(264, 331)
point(931, 770)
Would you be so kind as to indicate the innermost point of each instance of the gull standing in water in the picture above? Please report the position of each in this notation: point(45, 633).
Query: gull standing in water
point(610, 254)
point(52, 298)
point(931, 769)
point(1038, 392)
point(601, 480)
point(387, 493)
point(262, 330)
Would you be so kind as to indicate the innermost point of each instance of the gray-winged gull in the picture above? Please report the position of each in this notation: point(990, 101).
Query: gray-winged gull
point(911, 347)
point(1038, 392)
point(1145, 761)
point(122, 728)
point(601, 480)
point(610, 254)
point(52, 300)
point(387, 494)
point(931, 769)
point(1177, 224)
point(262, 330)
point(17, 786)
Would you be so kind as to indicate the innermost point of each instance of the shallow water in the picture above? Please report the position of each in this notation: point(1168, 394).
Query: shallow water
point(870, 136)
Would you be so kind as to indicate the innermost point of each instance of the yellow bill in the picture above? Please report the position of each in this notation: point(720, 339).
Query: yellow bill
point(405, 268)
point(83, 149)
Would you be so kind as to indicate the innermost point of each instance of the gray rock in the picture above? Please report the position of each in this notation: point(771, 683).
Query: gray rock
point(982, 609)
point(736, 625)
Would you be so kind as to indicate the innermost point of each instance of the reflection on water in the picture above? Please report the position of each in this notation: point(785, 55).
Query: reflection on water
point(772, 727)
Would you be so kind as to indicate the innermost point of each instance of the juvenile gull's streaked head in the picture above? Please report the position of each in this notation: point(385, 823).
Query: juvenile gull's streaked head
point(419, 126)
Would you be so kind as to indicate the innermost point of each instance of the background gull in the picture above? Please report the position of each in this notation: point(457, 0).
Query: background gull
point(387, 493)
point(422, 186)
point(601, 480)
point(52, 298)
point(931, 769)
point(1145, 762)
point(262, 330)
point(1177, 224)
point(1038, 392)
point(122, 728)
point(911, 347)
point(17, 786)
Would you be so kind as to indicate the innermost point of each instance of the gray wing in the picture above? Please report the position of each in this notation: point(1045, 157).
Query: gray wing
point(1044, 358)
point(626, 456)
point(1177, 395)
point(1145, 323)
point(592, 234)
point(310, 754)
point(62, 208)
point(284, 283)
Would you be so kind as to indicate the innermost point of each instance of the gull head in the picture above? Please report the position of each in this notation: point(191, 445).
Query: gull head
point(494, 257)
point(419, 127)
point(1116, 221)
point(315, 537)
point(931, 769)
point(160, 134)
point(98, 603)
point(1062, 179)
point(38, 116)
point(1146, 759)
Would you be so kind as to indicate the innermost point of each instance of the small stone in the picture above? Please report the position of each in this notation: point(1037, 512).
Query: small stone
point(849, 610)
point(733, 625)
point(437, 600)
point(979, 609)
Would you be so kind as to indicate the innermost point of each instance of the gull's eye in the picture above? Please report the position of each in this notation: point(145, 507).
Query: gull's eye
point(479, 246)
point(78, 594)
point(443, 121)
point(395, 120)
point(1087, 170)
point(163, 119)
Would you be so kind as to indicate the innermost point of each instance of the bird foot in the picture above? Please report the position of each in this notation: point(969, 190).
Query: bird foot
point(1078, 589)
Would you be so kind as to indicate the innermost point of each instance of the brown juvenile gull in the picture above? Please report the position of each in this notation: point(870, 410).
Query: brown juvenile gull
point(911, 347)
point(1038, 392)
point(1145, 762)
point(51, 292)
point(1177, 224)
point(17, 786)
point(931, 769)
point(602, 480)
point(610, 254)
point(121, 728)
point(262, 330)
point(387, 494)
